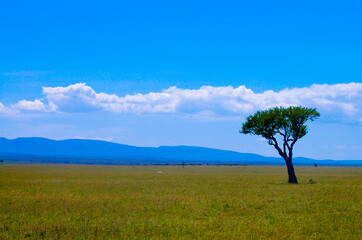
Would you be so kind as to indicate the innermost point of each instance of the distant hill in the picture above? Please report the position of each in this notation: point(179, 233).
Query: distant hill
point(80, 151)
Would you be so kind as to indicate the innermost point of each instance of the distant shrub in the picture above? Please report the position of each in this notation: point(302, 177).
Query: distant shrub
point(312, 181)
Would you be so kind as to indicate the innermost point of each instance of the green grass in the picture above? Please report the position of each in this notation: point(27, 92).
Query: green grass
point(197, 202)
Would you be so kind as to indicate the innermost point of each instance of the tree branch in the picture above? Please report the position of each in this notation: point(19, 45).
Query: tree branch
point(284, 135)
point(281, 153)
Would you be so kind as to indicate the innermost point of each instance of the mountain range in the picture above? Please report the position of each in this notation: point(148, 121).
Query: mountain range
point(82, 151)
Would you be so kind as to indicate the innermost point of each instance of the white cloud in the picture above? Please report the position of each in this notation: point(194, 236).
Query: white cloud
point(35, 105)
point(223, 101)
point(2, 108)
point(6, 111)
point(23, 106)
point(74, 98)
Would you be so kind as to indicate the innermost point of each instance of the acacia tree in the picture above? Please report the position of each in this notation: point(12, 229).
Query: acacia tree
point(288, 123)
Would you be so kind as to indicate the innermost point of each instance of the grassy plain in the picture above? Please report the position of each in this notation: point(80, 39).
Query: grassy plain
point(197, 202)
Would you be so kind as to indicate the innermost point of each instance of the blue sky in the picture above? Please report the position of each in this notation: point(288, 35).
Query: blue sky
point(151, 73)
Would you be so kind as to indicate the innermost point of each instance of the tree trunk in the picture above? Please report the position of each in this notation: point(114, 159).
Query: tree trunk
point(291, 173)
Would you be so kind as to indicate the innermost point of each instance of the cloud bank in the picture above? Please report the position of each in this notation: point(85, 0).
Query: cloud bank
point(343, 99)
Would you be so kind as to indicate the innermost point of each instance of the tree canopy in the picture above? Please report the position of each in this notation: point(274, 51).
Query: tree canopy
point(289, 123)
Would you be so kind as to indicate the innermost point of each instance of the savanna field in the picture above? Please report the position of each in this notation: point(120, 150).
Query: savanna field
point(171, 202)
